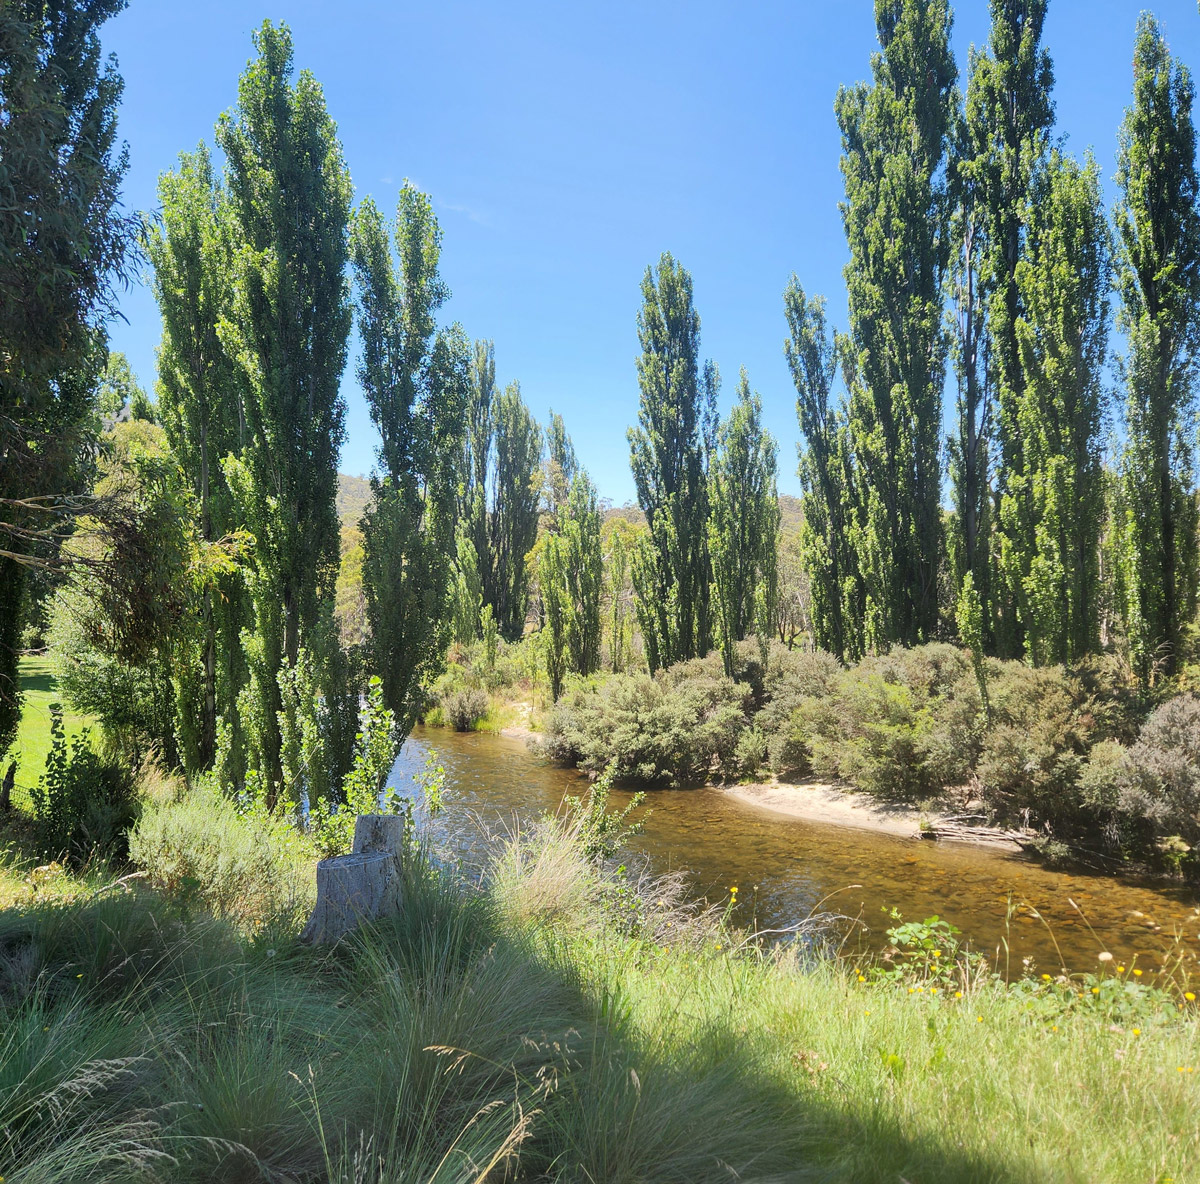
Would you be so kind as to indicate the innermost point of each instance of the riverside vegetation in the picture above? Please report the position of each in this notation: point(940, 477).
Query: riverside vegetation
point(558, 1021)
point(239, 663)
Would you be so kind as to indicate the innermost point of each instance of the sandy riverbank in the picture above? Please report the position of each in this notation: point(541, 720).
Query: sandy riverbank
point(817, 802)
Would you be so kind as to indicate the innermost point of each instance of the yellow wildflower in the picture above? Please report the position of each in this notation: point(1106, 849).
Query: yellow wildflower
point(1137, 972)
point(1045, 978)
point(1190, 996)
point(1120, 969)
point(862, 978)
point(958, 994)
point(1095, 990)
point(1137, 1031)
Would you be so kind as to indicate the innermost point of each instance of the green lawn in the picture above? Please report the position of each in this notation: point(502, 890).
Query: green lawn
point(33, 736)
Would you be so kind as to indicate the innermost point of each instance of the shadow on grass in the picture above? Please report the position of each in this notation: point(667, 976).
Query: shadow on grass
point(422, 1048)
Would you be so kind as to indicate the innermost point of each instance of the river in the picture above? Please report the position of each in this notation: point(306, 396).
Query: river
point(1010, 908)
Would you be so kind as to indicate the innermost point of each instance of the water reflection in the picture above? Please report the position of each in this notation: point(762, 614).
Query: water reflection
point(784, 867)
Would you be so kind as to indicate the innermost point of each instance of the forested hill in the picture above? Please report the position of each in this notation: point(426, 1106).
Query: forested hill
point(354, 493)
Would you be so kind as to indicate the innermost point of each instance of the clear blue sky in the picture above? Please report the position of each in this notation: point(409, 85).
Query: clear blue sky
point(565, 146)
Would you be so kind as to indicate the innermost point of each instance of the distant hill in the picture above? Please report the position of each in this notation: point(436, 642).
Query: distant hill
point(790, 514)
point(352, 497)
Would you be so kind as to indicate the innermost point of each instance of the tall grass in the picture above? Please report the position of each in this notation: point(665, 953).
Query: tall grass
point(551, 1025)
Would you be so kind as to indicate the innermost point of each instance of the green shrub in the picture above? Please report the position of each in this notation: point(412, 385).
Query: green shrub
point(464, 709)
point(196, 847)
point(680, 727)
point(1044, 722)
point(901, 726)
point(1160, 786)
point(83, 805)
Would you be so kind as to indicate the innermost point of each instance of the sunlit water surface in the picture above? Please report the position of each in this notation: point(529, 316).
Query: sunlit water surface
point(786, 868)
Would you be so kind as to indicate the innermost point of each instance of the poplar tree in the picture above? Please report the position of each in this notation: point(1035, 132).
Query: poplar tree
point(561, 466)
point(190, 247)
point(1051, 507)
point(63, 243)
point(1158, 231)
point(513, 519)
point(473, 482)
point(669, 454)
point(744, 524)
point(830, 498)
point(289, 199)
point(584, 559)
point(1008, 116)
point(415, 379)
point(895, 214)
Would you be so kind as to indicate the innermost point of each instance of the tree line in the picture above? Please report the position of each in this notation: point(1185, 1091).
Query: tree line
point(981, 252)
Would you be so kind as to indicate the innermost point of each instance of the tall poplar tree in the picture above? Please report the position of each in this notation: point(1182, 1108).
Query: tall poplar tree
point(190, 247)
point(584, 571)
point(289, 199)
point(830, 498)
point(1158, 229)
point(415, 380)
point(744, 524)
point(561, 466)
point(1052, 505)
point(513, 519)
point(1009, 114)
point(63, 244)
point(896, 216)
point(669, 455)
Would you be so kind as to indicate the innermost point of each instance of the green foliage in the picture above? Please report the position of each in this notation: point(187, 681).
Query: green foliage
point(63, 242)
point(376, 746)
point(191, 247)
point(894, 134)
point(464, 708)
point(556, 607)
point(678, 727)
point(600, 831)
point(669, 454)
point(826, 543)
point(286, 329)
point(1051, 506)
point(899, 726)
point(415, 380)
point(743, 525)
point(82, 805)
point(1158, 277)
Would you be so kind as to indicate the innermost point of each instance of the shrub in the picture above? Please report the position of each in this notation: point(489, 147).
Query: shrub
point(902, 725)
point(195, 846)
point(679, 727)
point(1044, 721)
point(83, 805)
point(792, 676)
point(1161, 775)
point(464, 709)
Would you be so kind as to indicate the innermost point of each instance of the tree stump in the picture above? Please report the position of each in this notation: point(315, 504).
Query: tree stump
point(350, 889)
point(364, 885)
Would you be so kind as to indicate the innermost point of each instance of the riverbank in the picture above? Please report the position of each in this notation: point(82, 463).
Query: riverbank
point(559, 1024)
point(822, 802)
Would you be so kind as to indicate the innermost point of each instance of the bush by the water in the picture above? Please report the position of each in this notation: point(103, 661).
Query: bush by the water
point(680, 727)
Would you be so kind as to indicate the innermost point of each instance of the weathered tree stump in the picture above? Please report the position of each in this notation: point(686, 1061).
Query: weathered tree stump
point(364, 885)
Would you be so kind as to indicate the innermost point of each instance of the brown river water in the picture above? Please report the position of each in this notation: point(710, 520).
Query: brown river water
point(785, 868)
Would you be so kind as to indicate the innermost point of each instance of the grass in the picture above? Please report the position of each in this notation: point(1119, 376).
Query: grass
point(556, 1024)
point(32, 743)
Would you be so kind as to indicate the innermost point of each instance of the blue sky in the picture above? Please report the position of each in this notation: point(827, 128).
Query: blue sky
point(565, 146)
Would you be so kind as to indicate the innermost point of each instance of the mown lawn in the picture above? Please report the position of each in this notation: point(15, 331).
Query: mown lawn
point(32, 744)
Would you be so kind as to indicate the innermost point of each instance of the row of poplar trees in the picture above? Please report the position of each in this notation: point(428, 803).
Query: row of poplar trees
point(980, 250)
point(258, 272)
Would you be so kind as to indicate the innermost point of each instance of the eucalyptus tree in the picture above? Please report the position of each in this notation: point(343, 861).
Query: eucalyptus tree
point(896, 217)
point(829, 502)
point(513, 517)
point(63, 247)
point(190, 246)
point(415, 379)
point(1158, 232)
point(743, 526)
point(287, 329)
point(669, 456)
point(1052, 505)
point(1008, 117)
